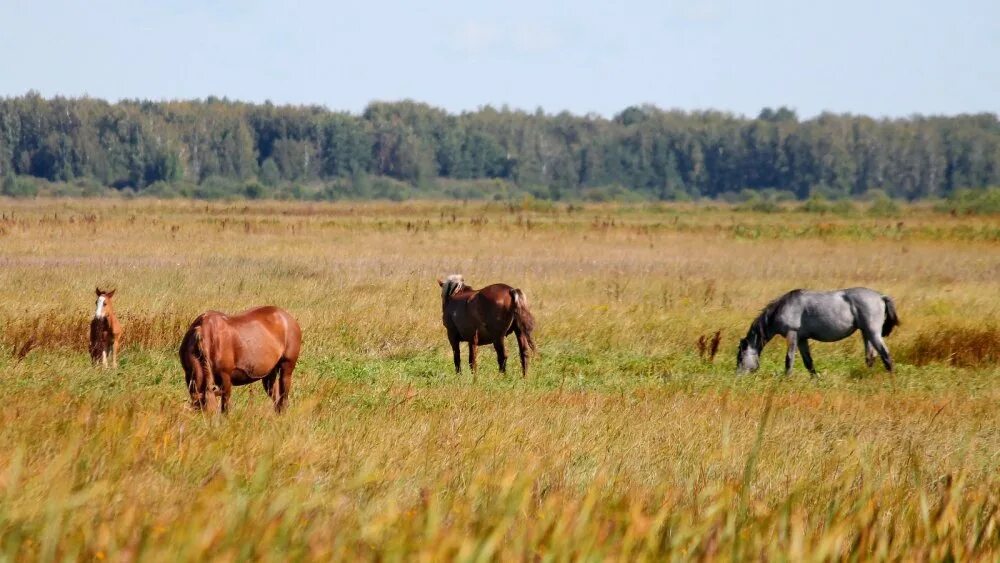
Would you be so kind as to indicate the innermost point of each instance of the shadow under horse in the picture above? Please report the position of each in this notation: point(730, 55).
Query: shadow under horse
point(220, 351)
point(486, 316)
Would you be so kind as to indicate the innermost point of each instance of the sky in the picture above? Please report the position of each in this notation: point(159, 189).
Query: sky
point(882, 58)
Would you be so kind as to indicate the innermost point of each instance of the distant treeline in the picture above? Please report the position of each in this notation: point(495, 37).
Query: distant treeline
point(218, 147)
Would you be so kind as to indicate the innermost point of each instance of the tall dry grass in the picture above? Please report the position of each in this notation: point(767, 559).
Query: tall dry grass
point(628, 441)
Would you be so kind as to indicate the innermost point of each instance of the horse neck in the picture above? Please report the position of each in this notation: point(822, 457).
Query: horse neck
point(760, 333)
point(454, 295)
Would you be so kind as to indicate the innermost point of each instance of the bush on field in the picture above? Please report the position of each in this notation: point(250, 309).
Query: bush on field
point(613, 192)
point(18, 186)
point(972, 202)
point(763, 201)
point(819, 204)
point(882, 205)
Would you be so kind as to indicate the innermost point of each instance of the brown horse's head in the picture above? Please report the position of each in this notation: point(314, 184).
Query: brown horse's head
point(451, 284)
point(104, 299)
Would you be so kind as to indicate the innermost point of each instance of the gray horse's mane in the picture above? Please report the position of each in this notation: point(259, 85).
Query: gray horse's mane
point(760, 326)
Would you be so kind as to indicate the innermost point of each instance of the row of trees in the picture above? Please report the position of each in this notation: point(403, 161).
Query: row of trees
point(645, 150)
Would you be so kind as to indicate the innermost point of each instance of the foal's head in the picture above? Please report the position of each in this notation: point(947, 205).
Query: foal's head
point(450, 285)
point(104, 299)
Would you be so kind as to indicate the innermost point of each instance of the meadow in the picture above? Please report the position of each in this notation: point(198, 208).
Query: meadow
point(627, 440)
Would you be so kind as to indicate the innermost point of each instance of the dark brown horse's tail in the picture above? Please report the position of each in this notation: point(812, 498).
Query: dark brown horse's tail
point(891, 318)
point(524, 321)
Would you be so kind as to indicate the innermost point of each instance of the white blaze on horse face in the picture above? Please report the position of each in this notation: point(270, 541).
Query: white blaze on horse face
point(99, 313)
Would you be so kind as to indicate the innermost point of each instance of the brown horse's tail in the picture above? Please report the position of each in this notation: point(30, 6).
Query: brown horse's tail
point(203, 347)
point(891, 318)
point(524, 321)
point(196, 358)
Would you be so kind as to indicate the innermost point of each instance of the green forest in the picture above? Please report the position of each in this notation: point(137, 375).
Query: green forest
point(397, 150)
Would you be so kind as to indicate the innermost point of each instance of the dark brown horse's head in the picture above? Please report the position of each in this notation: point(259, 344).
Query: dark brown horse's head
point(103, 305)
point(450, 285)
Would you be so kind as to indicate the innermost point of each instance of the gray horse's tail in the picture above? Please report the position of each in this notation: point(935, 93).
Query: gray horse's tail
point(524, 321)
point(891, 318)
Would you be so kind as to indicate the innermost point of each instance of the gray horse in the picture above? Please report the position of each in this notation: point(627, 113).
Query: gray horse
point(826, 316)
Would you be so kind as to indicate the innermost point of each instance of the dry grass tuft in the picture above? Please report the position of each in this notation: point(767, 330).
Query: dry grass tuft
point(708, 347)
point(959, 346)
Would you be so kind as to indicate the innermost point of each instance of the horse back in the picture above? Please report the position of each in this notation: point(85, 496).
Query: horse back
point(251, 343)
point(488, 311)
point(269, 325)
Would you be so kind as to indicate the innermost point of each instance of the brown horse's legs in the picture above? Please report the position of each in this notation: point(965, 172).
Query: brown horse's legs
point(522, 349)
point(268, 383)
point(473, 344)
point(501, 354)
point(286, 368)
point(114, 353)
point(455, 350)
point(227, 391)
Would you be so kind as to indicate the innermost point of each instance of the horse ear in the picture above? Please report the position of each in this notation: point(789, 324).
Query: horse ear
point(441, 282)
point(98, 291)
point(112, 292)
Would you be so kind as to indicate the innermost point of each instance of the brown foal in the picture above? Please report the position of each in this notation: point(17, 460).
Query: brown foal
point(105, 330)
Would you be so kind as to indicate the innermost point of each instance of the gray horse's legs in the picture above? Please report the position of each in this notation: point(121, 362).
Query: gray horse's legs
point(807, 358)
point(793, 339)
point(875, 339)
point(883, 352)
point(869, 352)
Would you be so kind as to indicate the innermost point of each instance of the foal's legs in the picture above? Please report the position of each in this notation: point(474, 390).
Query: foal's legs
point(114, 353)
point(807, 358)
point(793, 340)
point(501, 349)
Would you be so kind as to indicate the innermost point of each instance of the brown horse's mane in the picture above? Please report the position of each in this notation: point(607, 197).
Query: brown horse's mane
point(760, 326)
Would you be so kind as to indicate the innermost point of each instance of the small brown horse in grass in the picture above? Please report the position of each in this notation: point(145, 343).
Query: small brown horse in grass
point(486, 316)
point(220, 351)
point(105, 330)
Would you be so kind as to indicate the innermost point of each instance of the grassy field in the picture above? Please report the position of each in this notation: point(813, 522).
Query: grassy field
point(624, 442)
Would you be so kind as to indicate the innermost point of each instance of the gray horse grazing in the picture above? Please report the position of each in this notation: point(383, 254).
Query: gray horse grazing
point(826, 316)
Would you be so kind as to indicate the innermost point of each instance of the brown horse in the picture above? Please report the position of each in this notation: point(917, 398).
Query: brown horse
point(105, 330)
point(220, 351)
point(486, 316)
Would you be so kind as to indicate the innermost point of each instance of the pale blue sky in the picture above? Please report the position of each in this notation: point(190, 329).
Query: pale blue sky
point(875, 57)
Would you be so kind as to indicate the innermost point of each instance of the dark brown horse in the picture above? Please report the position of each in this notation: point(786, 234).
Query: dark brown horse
point(105, 330)
point(486, 316)
point(220, 351)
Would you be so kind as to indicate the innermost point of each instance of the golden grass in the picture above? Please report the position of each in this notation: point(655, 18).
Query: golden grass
point(628, 441)
point(964, 346)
